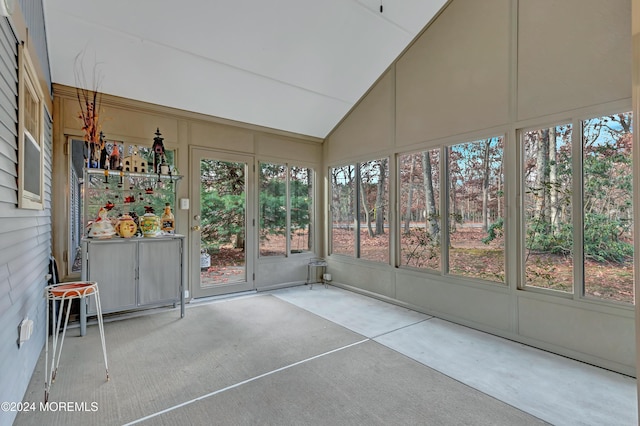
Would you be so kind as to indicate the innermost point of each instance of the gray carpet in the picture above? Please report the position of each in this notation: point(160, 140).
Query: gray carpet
point(252, 360)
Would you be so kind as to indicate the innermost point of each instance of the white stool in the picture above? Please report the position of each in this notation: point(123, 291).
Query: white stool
point(62, 293)
point(316, 263)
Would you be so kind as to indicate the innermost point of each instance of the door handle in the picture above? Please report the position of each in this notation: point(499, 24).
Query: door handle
point(195, 228)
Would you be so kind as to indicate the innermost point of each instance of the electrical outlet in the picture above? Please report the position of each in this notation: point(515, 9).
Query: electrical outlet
point(25, 329)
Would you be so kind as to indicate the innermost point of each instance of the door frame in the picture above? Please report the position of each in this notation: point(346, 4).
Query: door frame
point(196, 153)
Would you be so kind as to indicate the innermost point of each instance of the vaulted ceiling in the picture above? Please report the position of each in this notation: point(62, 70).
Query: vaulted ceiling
point(294, 65)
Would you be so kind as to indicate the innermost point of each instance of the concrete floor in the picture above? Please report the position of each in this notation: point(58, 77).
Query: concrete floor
point(556, 389)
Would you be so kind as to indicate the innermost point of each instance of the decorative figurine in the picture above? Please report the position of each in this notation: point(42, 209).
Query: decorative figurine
point(104, 156)
point(102, 227)
point(134, 163)
point(158, 154)
point(114, 158)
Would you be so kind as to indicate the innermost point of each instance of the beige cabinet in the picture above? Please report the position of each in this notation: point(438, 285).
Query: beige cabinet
point(134, 273)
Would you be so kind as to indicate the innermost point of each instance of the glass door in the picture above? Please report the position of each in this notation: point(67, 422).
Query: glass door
point(222, 261)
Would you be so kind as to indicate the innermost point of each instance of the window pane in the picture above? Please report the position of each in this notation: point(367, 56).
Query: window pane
point(273, 209)
point(419, 209)
point(607, 197)
point(343, 214)
point(301, 193)
point(548, 208)
point(476, 209)
point(374, 205)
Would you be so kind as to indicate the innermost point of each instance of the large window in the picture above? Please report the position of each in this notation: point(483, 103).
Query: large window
point(286, 209)
point(30, 135)
point(547, 208)
point(343, 210)
point(475, 183)
point(600, 236)
point(420, 209)
point(359, 210)
point(607, 207)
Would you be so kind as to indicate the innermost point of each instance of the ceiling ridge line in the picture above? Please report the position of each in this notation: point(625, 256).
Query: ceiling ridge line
point(384, 18)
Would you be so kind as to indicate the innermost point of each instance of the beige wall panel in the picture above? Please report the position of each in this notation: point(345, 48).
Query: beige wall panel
point(579, 330)
point(478, 305)
point(222, 137)
point(368, 128)
point(455, 77)
point(369, 277)
point(280, 272)
point(117, 123)
point(571, 54)
point(276, 146)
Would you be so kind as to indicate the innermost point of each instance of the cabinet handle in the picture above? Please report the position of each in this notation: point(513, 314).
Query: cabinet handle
point(195, 228)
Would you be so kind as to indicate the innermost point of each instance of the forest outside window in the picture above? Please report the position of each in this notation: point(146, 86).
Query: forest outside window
point(420, 209)
point(359, 210)
point(607, 194)
point(286, 209)
point(598, 231)
point(476, 210)
point(30, 136)
point(548, 208)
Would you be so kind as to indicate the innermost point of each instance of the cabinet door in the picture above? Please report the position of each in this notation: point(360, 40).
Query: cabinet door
point(113, 267)
point(160, 263)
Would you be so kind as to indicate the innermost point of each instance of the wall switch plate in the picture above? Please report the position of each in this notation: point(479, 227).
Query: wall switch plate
point(184, 204)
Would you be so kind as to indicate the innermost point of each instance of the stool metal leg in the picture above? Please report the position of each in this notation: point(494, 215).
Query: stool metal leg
point(63, 294)
point(101, 327)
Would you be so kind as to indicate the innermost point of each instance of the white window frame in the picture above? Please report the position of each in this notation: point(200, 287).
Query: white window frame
point(28, 85)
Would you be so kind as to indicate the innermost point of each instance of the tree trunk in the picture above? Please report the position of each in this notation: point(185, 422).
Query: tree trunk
point(542, 170)
point(407, 220)
point(553, 180)
point(366, 210)
point(380, 197)
point(485, 187)
point(430, 201)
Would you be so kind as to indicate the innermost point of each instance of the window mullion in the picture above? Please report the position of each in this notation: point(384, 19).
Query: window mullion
point(578, 212)
point(357, 211)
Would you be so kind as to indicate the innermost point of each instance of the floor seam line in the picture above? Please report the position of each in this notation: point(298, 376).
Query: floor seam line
point(401, 328)
point(243, 382)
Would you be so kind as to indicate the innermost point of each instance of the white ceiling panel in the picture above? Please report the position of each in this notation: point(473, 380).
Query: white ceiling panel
point(294, 65)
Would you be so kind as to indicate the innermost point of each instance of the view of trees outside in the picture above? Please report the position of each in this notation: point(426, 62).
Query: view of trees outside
point(548, 208)
point(374, 207)
point(343, 207)
point(420, 209)
point(363, 187)
point(476, 209)
point(273, 209)
point(301, 194)
point(274, 212)
point(223, 212)
point(607, 207)
point(606, 234)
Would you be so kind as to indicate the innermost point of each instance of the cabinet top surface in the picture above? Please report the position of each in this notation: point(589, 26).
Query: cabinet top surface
point(124, 240)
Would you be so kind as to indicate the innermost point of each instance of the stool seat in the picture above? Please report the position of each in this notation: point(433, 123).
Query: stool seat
point(73, 290)
point(61, 294)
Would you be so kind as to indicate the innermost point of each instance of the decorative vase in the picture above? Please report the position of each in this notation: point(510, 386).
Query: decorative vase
point(126, 227)
point(150, 224)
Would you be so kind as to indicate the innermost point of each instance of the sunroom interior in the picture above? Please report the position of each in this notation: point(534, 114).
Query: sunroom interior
point(480, 171)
